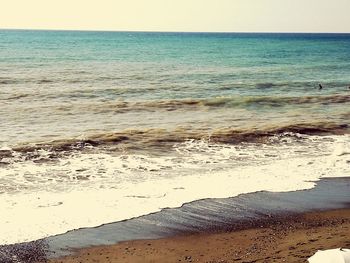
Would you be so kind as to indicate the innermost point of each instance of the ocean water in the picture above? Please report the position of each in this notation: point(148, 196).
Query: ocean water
point(98, 127)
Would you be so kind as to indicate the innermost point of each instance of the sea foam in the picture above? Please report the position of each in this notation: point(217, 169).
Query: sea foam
point(90, 189)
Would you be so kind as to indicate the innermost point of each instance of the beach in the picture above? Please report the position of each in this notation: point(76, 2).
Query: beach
point(113, 137)
point(174, 131)
point(263, 226)
point(293, 239)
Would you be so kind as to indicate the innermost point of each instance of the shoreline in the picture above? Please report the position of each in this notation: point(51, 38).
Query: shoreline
point(213, 215)
point(110, 138)
point(203, 217)
point(287, 239)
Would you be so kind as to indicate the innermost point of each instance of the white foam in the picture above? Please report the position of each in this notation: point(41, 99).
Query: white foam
point(88, 190)
point(5, 148)
point(338, 255)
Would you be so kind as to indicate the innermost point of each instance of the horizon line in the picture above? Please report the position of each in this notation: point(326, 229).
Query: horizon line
point(173, 31)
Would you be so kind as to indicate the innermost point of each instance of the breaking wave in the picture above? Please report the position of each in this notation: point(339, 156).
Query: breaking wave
point(139, 140)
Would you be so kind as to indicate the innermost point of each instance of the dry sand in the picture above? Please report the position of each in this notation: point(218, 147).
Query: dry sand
point(288, 239)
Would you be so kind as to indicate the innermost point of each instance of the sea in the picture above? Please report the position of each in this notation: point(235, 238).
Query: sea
point(100, 127)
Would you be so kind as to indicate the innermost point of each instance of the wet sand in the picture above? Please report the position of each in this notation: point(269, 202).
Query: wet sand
point(290, 239)
point(254, 227)
point(209, 216)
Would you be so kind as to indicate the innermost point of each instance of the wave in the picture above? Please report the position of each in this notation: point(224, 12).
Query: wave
point(237, 101)
point(212, 103)
point(112, 183)
point(155, 139)
point(44, 81)
point(16, 97)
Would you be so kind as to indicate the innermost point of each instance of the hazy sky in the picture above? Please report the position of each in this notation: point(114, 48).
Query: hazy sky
point(179, 15)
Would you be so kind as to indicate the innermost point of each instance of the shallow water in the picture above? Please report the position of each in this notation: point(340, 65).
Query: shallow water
point(124, 124)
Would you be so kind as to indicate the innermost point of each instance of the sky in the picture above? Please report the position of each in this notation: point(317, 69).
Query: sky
point(178, 15)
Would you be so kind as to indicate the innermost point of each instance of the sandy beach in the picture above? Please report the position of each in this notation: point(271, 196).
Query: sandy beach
point(255, 227)
point(289, 239)
point(134, 146)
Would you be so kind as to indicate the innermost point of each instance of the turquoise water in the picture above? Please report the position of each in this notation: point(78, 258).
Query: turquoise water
point(45, 74)
point(105, 117)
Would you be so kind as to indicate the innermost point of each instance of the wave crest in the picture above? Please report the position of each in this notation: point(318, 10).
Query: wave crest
point(155, 139)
